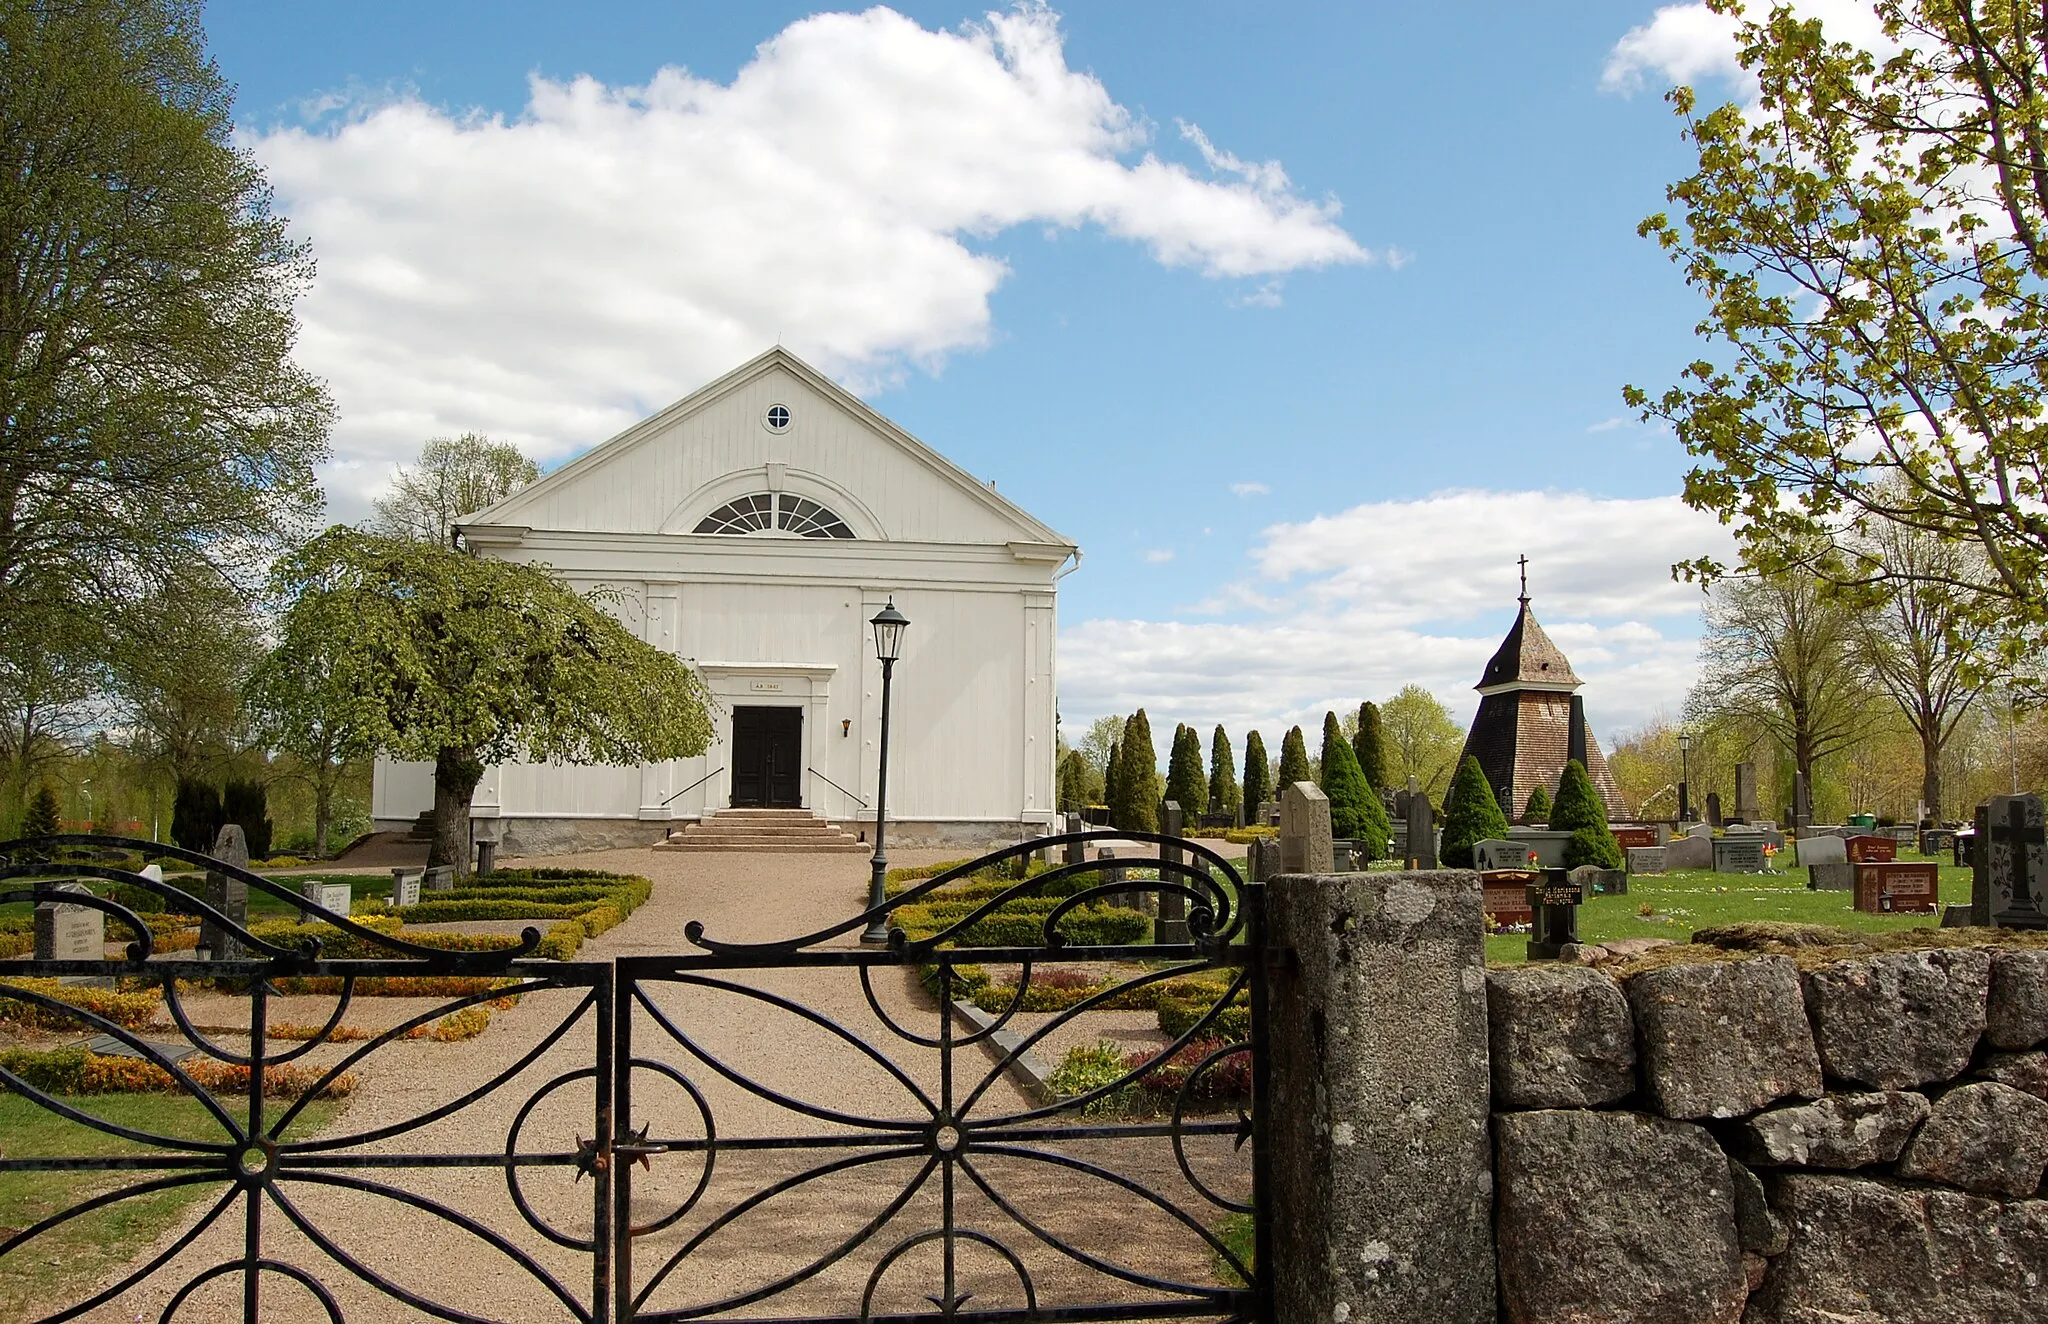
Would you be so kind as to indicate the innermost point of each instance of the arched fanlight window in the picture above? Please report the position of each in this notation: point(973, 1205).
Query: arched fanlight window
point(764, 512)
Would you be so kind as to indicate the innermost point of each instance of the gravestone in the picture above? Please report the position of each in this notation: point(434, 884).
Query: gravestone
point(1076, 852)
point(1980, 865)
point(1890, 887)
point(229, 896)
point(1420, 848)
point(1630, 837)
point(1596, 881)
point(1504, 894)
point(1549, 847)
point(1269, 813)
point(69, 933)
point(1739, 855)
point(1689, 852)
point(1109, 875)
point(1495, 854)
point(1742, 830)
point(331, 897)
point(440, 878)
point(1745, 792)
point(1646, 859)
point(1937, 841)
point(486, 856)
point(1305, 840)
point(2017, 862)
point(1871, 849)
point(405, 887)
point(1714, 809)
point(1262, 858)
point(1700, 830)
point(1555, 899)
point(1955, 917)
point(1824, 850)
point(1172, 924)
point(1839, 876)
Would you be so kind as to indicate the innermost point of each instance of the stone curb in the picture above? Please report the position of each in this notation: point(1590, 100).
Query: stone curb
point(1027, 1069)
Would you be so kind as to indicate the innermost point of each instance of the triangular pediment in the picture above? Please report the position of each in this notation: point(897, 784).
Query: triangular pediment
point(722, 442)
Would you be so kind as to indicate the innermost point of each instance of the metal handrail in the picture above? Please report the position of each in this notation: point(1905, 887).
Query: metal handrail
point(693, 785)
point(837, 787)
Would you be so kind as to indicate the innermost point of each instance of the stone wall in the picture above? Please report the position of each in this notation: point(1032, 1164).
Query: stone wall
point(1839, 1135)
point(1767, 1139)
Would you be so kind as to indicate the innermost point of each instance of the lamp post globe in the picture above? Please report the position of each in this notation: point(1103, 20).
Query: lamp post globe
point(889, 625)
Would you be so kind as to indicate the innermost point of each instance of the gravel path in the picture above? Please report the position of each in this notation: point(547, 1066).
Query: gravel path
point(740, 898)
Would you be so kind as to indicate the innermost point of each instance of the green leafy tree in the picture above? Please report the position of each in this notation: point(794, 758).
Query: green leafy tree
point(1356, 813)
point(1369, 743)
point(1258, 774)
point(1134, 801)
point(1294, 764)
point(1185, 784)
point(455, 476)
point(1099, 740)
point(1112, 773)
point(152, 422)
point(178, 674)
point(469, 661)
point(1869, 243)
point(1471, 814)
point(286, 700)
point(1580, 811)
point(1224, 796)
point(1537, 810)
point(1422, 740)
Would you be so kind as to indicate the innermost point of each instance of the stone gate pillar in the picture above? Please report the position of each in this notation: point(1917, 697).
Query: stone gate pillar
point(1381, 1168)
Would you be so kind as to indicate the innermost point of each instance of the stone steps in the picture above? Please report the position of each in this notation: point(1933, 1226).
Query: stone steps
point(778, 831)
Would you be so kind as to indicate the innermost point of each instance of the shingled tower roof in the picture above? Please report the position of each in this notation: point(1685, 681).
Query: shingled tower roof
point(1522, 733)
point(1527, 658)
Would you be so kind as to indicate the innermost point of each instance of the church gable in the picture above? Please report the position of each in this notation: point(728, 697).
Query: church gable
point(772, 448)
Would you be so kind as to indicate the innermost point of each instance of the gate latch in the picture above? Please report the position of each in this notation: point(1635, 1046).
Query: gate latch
point(595, 1156)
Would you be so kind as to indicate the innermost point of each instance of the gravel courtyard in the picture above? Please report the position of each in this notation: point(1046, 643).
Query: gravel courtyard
point(775, 1077)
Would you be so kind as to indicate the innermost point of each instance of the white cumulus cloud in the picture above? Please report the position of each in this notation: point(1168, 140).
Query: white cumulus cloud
point(1355, 605)
point(549, 277)
point(1690, 43)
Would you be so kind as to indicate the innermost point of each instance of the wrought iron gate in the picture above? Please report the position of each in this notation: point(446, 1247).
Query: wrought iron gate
point(806, 1127)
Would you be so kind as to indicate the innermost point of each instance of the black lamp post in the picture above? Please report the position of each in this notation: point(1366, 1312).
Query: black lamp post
point(1684, 776)
point(889, 624)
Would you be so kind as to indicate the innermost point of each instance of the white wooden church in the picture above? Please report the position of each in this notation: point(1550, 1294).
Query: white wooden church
point(753, 528)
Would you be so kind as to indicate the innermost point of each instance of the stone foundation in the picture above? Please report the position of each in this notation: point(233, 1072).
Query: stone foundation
point(569, 836)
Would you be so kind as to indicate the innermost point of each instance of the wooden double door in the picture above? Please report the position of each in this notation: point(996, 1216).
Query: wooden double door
point(767, 758)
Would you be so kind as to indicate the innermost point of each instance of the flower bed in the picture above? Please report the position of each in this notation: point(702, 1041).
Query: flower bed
point(81, 1071)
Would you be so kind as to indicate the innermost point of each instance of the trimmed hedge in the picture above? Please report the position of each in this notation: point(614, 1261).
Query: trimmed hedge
point(1178, 1015)
point(130, 1011)
point(1020, 925)
point(81, 1071)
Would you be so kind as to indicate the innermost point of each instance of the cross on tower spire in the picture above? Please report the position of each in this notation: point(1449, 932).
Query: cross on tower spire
point(1523, 561)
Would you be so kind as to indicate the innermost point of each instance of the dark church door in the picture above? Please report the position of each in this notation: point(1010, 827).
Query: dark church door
point(767, 758)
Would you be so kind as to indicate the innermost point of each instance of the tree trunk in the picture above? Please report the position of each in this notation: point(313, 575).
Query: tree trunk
point(323, 812)
point(1930, 769)
point(456, 773)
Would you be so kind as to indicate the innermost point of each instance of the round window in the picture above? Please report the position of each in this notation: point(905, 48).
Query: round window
point(778, 418)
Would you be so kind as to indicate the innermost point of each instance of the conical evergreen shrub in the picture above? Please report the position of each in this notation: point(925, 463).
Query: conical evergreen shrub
point(1355, 810)
point(195, 814)
point(1537, 810)
point(41, 818)
point(1074, 779)
point(1471, 814)
point(1185, 784)
point(1258, 776)
point(1112, 771)
point(1134, 802)
point(1294, 764)
point(242, 801)
point(1370, 746)
point(1579, 810)
point(1224, 797)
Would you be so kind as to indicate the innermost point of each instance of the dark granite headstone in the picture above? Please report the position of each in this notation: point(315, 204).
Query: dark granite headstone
point(1980, 870)
point(228, 895)
point(440, 878)
point(1714, 809)
point(1745, 792)
point(1420, 848)
point(1172, 924)
point(2017, 861)
point(1739, 855)
point(1555, 902)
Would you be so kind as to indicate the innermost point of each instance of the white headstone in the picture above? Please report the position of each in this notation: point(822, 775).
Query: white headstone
point(70, 933)
point(1647, 859)
point(405, 886)
point(1494, 853)
point(1700, 830)
point(331, 897)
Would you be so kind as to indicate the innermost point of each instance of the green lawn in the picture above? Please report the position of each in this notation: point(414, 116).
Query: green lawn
point(1689, 899)
point(93, 1244)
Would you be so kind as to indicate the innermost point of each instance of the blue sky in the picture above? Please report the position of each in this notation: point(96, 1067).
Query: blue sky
point(1300, 426)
